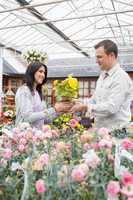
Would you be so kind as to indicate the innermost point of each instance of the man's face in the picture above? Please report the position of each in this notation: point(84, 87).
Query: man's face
point(103, 60)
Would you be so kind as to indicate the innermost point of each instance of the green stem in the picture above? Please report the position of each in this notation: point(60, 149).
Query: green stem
point(25, 193)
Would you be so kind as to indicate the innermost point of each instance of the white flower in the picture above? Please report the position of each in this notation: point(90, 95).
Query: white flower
point(15, 166)
point(23, 125)
point(35, 55)
point(8, 113)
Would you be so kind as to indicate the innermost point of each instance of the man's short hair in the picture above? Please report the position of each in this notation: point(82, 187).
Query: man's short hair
point(109, 47)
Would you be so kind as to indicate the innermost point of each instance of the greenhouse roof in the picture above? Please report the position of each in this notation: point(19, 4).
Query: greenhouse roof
point(65, 28)
point(8, 69)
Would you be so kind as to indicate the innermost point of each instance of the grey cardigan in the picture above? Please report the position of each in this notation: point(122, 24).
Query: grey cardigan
point(24, 108)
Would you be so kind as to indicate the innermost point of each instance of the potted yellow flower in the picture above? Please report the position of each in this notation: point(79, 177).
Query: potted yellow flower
point(67, 89)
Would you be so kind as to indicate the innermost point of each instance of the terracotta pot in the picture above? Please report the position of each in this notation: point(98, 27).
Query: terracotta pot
point(68, 103)
point(66, 99)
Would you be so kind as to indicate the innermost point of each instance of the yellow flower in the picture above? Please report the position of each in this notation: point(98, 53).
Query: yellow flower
point(56, 120)
point(73, 83)
point(66, 119)
point(66, 88)
point(78, 125)
point(1, 192)
point(55, 82)
point(65, 126)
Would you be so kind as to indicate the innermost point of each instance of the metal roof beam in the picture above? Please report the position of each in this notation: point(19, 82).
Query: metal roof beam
point(51, 26)
point(116, 26)
point(45, 21)
point(32, 6)
point(108, 21)
point(124, 3)
point(118, 22)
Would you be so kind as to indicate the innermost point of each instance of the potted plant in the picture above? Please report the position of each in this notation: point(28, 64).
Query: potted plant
point(66, 90)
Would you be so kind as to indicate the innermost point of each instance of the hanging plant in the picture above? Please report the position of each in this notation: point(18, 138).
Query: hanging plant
point(35, 55)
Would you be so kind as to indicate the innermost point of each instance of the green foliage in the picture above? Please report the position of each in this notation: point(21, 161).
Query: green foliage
point(66, 88)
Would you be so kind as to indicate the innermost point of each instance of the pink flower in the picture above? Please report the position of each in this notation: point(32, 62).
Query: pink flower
point(48, 134)
point(78, 175)
point(127, 143)
point(41, 136)
point(21, 147)
point(29, 133)
point(86, 137)
point(46, 128)
point(23, 141)
point(44, 159)
point(92, 160)
point(60, 146)
point(14, 141)
point(34, 138)
point(127, 178)
point(76, 118)
point(15, 137)
point(7, 154)
point(86, 146)
point(110, 157)
point(16, 130)
point(103, 132)
point(127, 191)
point(29, 129)
point(131, 125)
point(84, 168)
point(105, 143)
point(113, 188)
point(95, 146)
point(55, 133)
point(20, 135)
point(40, 187)
point(73, 123)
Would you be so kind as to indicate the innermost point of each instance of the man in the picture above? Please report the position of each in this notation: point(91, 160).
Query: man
point(111, 101)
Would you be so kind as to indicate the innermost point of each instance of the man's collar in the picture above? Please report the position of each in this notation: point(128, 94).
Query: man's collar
point(113, 69)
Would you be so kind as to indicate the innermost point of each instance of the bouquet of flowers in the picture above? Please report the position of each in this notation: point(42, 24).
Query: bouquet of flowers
point(8, 116)
point(35, 55)
point(68, 123)
point(9, 113)
point(67, 88)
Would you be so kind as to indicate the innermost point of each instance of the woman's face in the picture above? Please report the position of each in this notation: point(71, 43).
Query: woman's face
point(39, 75)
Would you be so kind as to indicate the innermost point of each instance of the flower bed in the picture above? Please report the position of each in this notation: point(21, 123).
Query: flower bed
point(55, 165)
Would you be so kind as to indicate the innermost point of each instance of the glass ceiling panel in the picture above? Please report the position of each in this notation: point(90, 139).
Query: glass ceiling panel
point(58, 11)
point(74, 26)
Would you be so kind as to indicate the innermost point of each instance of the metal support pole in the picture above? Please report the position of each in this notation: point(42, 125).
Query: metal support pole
point(1, 78)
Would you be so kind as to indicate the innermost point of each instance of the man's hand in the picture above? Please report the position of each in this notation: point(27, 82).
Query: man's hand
point(79, 107)
point(63, 106)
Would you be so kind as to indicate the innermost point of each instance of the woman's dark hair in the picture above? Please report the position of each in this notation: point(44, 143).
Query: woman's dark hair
point(109, 47)
point(29, 76)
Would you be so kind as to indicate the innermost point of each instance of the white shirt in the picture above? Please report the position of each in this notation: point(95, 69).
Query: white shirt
point(30, 108)
point(112, 99)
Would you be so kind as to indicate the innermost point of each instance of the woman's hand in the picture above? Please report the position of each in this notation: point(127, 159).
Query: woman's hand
point(79, 107)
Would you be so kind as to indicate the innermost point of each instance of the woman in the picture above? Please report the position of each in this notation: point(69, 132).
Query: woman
point(30, 106)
